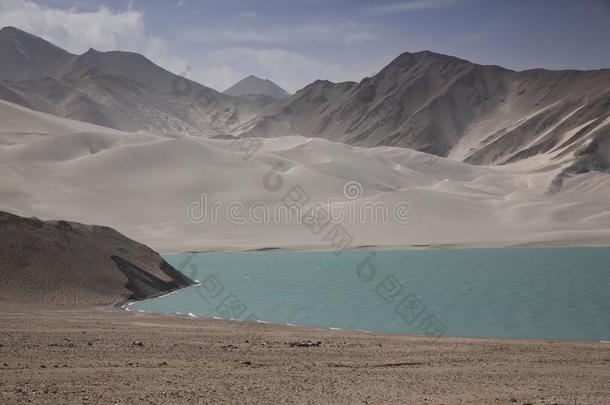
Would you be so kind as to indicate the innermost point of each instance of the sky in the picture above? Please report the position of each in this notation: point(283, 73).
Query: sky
point(295, 42)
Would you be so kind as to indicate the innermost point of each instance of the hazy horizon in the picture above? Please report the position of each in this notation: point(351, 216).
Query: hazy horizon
point(294, 43)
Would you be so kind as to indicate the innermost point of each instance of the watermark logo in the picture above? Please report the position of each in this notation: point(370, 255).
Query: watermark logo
point(296, 206)
point(352, 190)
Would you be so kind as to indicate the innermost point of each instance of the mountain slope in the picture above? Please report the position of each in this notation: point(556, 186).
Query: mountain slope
point(254, 86)
point(451, 107)
point(57, 263)
point(24, 56)
point(120, 90)
point(114, 101)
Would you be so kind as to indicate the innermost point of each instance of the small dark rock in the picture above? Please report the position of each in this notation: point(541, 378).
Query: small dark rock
point(305, 343)
point(138, 343)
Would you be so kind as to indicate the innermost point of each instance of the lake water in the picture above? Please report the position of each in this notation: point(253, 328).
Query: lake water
point(555, 293)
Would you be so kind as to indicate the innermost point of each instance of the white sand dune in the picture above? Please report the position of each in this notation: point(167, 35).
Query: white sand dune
point(142, 184)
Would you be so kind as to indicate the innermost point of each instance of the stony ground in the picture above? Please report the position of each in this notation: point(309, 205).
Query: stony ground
point(104, 355)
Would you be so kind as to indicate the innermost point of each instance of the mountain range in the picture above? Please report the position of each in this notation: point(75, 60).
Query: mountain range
point(119, 90)
point(438, 104)
point(454, 108)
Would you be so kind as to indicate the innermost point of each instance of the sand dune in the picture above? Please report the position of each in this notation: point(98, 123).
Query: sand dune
point(142, 185)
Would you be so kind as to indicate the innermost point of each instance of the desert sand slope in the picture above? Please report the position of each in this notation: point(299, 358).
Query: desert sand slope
point(143, 185)
point(59, 263)
point(20, 125)
point(254, 86)
point(451, 107)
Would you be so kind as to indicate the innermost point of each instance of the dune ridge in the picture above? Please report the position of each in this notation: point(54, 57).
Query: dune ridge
point(142, 184)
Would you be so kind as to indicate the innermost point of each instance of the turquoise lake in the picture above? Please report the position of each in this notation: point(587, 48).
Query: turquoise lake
point(554, 293)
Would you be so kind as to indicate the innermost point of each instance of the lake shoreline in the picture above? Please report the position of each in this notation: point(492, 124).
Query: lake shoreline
point(330, 329)
point(447, 246)
point(499, 293)
point(99, 355)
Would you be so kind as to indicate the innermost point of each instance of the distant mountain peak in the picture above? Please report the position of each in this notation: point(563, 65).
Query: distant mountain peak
point(8, 28)
point(18, 36)
point(429, 55)
point(25, 56)
point(255, 86)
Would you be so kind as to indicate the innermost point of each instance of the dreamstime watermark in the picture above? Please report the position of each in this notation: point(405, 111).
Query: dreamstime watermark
point(289, 211)
point(325, 219)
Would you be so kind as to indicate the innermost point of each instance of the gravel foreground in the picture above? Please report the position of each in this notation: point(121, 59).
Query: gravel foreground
point(105, 355)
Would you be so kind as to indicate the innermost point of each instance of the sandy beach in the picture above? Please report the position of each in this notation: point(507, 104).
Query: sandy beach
point(106, 355)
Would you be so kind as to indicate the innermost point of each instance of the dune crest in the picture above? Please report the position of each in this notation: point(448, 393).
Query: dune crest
point(143, 184)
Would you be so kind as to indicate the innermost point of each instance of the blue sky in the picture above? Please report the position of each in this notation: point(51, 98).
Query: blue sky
point(294, 42)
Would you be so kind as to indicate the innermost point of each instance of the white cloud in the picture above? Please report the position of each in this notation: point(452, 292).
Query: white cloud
point(288, 69)
point(77, 31)
point(413, 5)
point(338, 33)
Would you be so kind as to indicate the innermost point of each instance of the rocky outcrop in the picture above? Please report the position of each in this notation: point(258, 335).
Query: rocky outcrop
point(59, 263)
